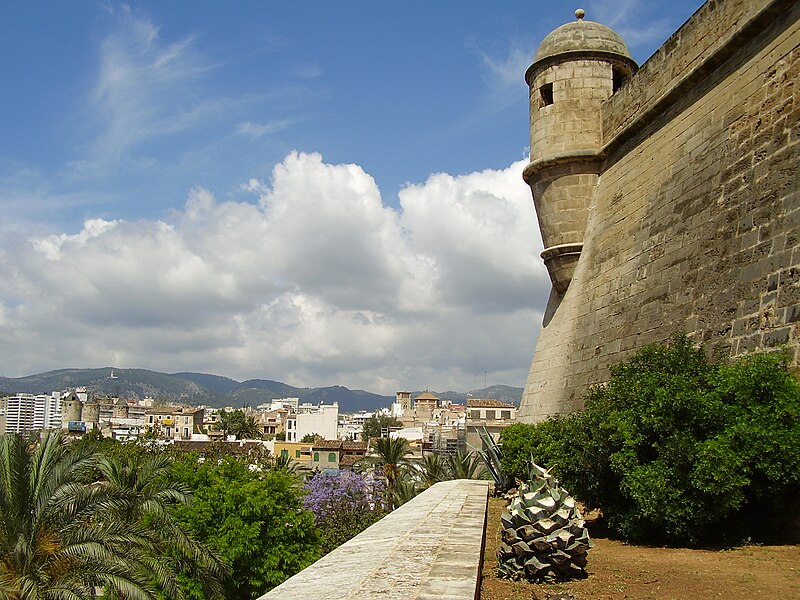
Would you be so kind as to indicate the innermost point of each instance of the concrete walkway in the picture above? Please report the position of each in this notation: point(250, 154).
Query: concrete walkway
point(429, 548)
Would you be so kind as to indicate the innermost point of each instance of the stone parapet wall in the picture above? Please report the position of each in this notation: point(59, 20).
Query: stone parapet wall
point(691, 53)
point(429, 548)
point(695, 223)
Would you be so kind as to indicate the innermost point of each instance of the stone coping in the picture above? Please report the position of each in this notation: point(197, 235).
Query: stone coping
point(431, 547)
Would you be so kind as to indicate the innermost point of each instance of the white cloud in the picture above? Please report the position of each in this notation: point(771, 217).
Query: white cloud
point(257, 130)
point(307, 71)
point(506, 71)
point(318, 282)
point(146, 88)
point(503, 74)
point(635, 21)
point(614, 13)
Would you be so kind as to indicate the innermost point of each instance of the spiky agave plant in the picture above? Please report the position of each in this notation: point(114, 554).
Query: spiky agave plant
point(492, 455)
point(544, 537)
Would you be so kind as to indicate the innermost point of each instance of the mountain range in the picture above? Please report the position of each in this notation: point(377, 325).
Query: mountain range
point(217, 391)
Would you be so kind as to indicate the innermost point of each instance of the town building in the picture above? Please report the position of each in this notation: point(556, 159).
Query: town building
point(333, 455)
point(175, 422)
point(299, 452)
point(490, 416)
point(272, 422)
point(351, 426)
point(424, 405)
point(402, 404)
point(25, 413)
point(321, 420)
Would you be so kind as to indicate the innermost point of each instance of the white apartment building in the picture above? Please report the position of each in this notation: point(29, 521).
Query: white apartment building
point(322, 420)
point(289, 404)
point(28, 412)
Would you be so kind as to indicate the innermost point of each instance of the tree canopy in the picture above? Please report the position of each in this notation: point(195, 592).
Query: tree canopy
point(678, 449)
point(390, 455)
point(344, 504)
point(253, 516)
point(377, 425)
point(238, 424)
point(63, 533)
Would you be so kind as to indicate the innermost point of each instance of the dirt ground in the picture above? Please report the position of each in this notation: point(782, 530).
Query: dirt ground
point(618, 570)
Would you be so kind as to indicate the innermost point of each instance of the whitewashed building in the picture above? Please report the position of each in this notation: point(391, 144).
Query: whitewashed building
point(322, 420)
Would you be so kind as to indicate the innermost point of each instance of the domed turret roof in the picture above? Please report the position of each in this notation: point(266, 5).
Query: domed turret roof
point(581, 36)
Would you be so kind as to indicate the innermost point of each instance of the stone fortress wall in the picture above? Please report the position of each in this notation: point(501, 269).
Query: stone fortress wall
point(682, 213)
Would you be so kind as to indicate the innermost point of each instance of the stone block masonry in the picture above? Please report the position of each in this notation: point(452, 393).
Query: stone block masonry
point(430, 548)
point(694, 222)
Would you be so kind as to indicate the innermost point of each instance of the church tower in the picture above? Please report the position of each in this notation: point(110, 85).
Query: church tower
point(577, 67)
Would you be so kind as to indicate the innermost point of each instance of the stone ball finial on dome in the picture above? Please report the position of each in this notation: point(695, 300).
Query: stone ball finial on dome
point(579, 14)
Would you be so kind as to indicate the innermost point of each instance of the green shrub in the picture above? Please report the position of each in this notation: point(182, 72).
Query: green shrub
point(676, 449)
point(253, 517)
point(541, 442)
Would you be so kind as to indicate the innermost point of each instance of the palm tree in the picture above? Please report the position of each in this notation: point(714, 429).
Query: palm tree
point(143, 489)
point(56, 537)
point(63, 535)
point(239, 424)
point(289, 466)
point(465, 465)
point(405, 488)
point(390, 454)
point(433, 470)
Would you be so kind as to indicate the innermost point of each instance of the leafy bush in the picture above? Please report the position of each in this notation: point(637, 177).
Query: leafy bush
point(676, 449)
point(253, 517)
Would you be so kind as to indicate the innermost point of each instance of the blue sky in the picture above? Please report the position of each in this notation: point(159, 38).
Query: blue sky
point(305, 191)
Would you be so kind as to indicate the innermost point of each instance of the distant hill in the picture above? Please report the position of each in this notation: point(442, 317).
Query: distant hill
point(112, 381)
point(504, 393)
point(214, 383)
point(214, 390)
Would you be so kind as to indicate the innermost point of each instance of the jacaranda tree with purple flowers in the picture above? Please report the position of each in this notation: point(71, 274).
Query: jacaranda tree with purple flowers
point(344, 504)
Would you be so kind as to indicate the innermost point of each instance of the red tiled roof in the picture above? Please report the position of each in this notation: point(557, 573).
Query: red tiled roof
point(348, 445)
point(348, 460)
point(328, 445)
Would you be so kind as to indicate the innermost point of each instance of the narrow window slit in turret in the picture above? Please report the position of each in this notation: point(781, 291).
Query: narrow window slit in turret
point(546, 93)
point(619, 78)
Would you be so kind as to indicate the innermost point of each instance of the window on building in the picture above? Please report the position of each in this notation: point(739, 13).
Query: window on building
point(506, 414)
point(331, 456)
point(150, 419)
point(546, 94)
point(284, 453)
point(490, 414)
point(316, 456)
point(619, 78)
point(474, 414)
point(297, 453)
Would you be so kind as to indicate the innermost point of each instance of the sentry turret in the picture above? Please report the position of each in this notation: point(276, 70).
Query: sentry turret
point(577, 67)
